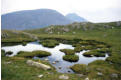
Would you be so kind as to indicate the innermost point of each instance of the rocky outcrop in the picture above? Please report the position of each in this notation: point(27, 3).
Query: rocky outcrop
point(37, 64)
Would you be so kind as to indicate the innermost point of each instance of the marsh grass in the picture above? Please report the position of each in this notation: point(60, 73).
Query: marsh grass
point(68, 51)
point(37, 53)
point(49, 43)
point(71, 58)
point(99, 70)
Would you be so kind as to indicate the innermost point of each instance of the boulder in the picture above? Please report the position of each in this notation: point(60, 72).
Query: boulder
point(63, 77)
point(37, 64)
point(114, 75)
point(40, 76)
point(87, 78)
point(99, 74)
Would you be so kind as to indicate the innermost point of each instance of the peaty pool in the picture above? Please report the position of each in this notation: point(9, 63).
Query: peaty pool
point(56, 58)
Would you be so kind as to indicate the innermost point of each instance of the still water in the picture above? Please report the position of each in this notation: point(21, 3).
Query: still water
point(56, 55)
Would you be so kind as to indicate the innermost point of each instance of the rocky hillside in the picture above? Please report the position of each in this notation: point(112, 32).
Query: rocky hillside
point(76, 28)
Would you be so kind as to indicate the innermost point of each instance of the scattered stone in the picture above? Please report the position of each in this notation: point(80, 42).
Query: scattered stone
point(69, 71)
point(37, 64)
point(114, 75)
point(58, 32)
point(99, 74)
point(87, 78)
point(99, 69)
point(57, 61)
point(46, 59)
point(59, 67)
point(80, 75)
point(74, 32)
point(63, 77)
point(68, 67)
point(49, 72)
point(7, 62)
point(53, 62)
point(40, 76)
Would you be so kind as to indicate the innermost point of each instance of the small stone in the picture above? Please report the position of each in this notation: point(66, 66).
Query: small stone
point(40, 76)
point(49, 72)
point(99, 69)
point(114, 75)
point(99, 73)
point(46, 59)
point(7, 62)
point(63, 77)
point(80, 75)
point(69, 71)
point(87, 78)
point(57, 61)
point(59, 67)
point(53, 62)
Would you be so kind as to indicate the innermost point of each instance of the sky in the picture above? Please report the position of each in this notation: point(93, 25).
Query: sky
point(92, 10)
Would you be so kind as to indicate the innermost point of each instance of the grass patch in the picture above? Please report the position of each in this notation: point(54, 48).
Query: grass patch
point(37, 53)
point(96, 53)
point(71, 58)
point(79, 68)
point(49, 43)
point(99, 70)
point(68, 51)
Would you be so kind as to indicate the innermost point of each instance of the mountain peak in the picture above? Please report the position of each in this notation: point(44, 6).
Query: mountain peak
point(75, 18)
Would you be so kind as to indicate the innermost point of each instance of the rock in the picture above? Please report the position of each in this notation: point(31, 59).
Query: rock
point(66, 29)
point(37, 64)
point(58, 32)
point(87, 78)
point(74, 32)
point(7, 62)
point(80, 75)
point(114, 75)
point(40, 76)
point(99, 74)
point(49, 72)
point(99, 69)
point(57, 61)
point(46, 59)
point(63, 77)
point(53, 62)
point(69, 71)
point(118, 23)
point(59, 67)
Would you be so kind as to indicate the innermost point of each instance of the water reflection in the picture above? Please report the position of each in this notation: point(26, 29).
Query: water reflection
point(62, 65)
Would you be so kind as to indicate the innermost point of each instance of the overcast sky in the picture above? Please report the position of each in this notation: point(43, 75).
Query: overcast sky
point(92, 10)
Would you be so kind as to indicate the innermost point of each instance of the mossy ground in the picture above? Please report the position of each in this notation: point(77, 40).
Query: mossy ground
point(37, 53)
point(71, 58)
point(49, 43)
point(68, 51)
point(98, 70)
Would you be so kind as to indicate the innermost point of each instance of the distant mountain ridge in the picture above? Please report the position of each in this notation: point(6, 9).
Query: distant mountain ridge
point(32, 19)
point(75, 18)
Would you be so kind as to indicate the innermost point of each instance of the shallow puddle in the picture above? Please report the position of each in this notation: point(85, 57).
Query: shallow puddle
point(56, 59)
